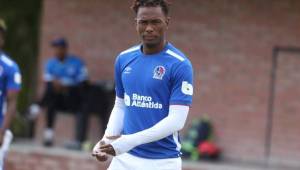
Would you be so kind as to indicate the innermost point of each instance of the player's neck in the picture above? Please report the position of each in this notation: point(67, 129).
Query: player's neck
point(61, 59)
point(149, 49)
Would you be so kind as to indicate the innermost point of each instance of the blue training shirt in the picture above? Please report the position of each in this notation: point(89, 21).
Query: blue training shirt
point(69, 72)
point(10, 79)
point(149, 84)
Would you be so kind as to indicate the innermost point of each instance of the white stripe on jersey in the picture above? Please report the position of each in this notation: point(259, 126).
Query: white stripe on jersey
point(130, 50)
point(6, 60)
point(175, 55)
point(175, 137)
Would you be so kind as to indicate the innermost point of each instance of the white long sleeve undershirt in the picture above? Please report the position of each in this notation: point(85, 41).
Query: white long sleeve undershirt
point(115, 123)
point(167, 126)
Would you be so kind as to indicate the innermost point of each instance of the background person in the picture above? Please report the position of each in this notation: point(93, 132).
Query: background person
point(65, 77)
point(10, 85)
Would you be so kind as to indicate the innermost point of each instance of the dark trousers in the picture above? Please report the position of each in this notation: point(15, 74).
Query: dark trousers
point(81, 100)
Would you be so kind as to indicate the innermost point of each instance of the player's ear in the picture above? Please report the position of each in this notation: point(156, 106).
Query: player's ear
point(168, 21)
point(136, 23)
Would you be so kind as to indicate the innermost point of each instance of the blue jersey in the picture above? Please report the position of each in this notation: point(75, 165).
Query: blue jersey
point(69, 72)
point(149, 84)
point(10, 79)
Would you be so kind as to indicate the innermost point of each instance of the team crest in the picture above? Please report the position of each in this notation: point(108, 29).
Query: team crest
point(159, 72)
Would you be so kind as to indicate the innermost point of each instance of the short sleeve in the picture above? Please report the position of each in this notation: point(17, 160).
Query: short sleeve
point(14, 78)
point(118, 79)
point(48, 75)
point(182, 84)
point(82, 72)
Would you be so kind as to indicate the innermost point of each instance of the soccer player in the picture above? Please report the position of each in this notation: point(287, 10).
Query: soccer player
point(10, 84)
point(153, 95)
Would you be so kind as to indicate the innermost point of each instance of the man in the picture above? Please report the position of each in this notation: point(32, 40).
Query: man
point(10, 84)
point(153, 94)
point(65, 76)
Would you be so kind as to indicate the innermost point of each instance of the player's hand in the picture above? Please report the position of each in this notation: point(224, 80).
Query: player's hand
point(58, 86)
point(100, 156)
point(108, 149)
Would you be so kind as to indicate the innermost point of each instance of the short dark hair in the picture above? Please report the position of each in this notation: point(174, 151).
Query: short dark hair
point(164, 4)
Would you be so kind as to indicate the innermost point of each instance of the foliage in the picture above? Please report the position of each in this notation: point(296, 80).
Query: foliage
point(23, 23)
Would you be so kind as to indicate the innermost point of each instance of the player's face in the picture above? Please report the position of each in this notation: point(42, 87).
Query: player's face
point(151, 25)
point(60, 52)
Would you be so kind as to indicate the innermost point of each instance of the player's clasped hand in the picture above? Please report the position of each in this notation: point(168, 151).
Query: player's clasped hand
point(100, 156)
point(103, 148)
point(108, 149)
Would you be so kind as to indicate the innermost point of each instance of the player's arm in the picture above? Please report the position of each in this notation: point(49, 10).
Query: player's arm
point(115, 123)
point(113, 130)
point(13, 86)
point(172, 123)
point(82, 75)
point(181, 98)
point(48, 75)
point(11, 111)
point(50, 79)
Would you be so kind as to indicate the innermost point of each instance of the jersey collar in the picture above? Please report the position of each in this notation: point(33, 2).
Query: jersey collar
point(166, 47)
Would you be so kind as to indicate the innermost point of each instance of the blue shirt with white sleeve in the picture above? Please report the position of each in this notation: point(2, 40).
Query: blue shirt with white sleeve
point(10, 79)
point(149, 84)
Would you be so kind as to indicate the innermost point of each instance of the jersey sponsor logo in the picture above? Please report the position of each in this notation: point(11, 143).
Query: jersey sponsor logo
point(187, 88)
point(141, 101)
point(127, 70)
point(159, 72)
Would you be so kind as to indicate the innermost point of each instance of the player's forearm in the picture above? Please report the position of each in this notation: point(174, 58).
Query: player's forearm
point(11, 111)
point(83, 75)
point(115, 123)
point(166, 127)
point(174, 122)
